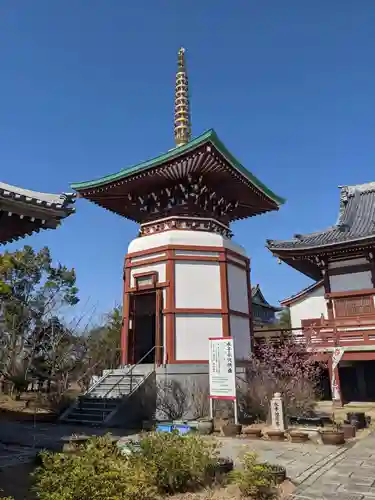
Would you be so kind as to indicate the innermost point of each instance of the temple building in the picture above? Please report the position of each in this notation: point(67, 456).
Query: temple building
point(23, 212)
point(264, 314)
point(337, 311)
point(185, 279)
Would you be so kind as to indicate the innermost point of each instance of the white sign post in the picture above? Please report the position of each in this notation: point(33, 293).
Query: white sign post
point(222, 370)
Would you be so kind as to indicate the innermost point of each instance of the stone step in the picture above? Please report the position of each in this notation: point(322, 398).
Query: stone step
point(114, 395)
point(87, 416)
point(106, 395)
point(94, 411)
point(97, 405)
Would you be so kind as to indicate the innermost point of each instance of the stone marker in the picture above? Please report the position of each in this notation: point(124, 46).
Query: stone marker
point(278, 413)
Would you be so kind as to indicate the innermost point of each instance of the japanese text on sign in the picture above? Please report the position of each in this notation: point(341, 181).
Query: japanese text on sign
point(222, 368)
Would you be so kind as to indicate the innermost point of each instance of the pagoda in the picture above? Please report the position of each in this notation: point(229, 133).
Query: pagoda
point(337, 311)
point(185, 279)
point(264, 314)
point(23, 212)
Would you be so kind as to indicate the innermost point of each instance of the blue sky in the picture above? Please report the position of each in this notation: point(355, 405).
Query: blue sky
point(86, 89)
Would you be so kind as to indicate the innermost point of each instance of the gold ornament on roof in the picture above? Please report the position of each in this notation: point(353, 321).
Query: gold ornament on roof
point(182, 124)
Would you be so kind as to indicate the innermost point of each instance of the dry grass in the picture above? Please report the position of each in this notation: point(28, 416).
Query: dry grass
point(33, 406)
point(230, 493)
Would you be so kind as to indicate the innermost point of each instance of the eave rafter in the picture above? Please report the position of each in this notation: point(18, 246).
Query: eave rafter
point(199, 180)
point(313, 262)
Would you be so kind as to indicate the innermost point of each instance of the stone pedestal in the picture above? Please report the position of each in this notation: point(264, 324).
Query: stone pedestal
point(278, 413)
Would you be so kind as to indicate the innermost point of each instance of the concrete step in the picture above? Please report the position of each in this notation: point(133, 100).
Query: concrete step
point(106, 395)
point(97, 405)
point(114, 379)
point(87, 416)
point(114, 395)
point(94, 411)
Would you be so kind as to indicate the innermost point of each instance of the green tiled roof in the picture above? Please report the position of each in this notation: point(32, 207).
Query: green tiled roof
point(209, 136)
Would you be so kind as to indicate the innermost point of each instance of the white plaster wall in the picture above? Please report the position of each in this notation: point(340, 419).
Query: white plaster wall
point(197, 285)
point(311, 306)
point(238, 289)
point(133, 260)
point(235, 259)
point(178, 237)
point(192, 334)
point(347, 262)
point(240, 331)
point(197, 253)
point(159, 268)
point(353, 281)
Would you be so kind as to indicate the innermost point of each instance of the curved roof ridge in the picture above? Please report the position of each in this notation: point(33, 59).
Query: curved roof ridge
point(295, 297)
point(143, 165)
point(209, 135)
point(350, 189)
point(62, 199)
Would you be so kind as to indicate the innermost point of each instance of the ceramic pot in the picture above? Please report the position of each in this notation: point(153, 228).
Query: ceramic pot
point(298, 437)
point(277, 472)
point(252, 433)
point(349, 431)
point(333, 437)
point(355, 423)
point(360, 417)
point(221, 467)
point(205, 427)
point(276, 435)
point(231, 430)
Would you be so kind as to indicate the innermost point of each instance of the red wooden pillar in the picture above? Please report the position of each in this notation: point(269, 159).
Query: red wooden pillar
point(125, 315)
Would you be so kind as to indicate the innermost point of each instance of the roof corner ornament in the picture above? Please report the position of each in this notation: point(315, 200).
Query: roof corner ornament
point(182, 123)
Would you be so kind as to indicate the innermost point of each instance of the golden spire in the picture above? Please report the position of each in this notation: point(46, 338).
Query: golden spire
point(182, 126)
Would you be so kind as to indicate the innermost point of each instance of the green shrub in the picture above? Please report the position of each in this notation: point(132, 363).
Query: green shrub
point(254, 480)
point(180, 463)
point(98, 472)
point(163, 464)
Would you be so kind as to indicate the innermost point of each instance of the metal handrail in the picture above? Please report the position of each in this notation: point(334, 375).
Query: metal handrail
point(101, 378)
point(131, 369)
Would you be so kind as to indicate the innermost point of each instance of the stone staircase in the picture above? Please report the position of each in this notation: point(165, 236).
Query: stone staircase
point(111, 399)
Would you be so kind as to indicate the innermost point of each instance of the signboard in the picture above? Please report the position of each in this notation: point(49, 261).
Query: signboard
point(222, 368)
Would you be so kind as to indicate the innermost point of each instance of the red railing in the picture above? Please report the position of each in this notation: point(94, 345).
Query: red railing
point(339, 332)
point(320, 334)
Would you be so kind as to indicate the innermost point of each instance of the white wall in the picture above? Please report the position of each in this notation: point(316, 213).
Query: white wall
point(312, 305)
point(192, 334)
point(238, 289)
point(159, 268)
point(178, 237)
point(347, 262)
point(197, 285)
point(353, 281)
point(240, 331)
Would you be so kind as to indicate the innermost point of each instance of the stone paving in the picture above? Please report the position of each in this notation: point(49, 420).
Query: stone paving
point(15, 455)
point(300, 460)
point(348, 476)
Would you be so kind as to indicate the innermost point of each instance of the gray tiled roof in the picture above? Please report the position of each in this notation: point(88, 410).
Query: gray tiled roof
point(356, 221)
point(23, 211)
point(257, 297)
point(48, 200)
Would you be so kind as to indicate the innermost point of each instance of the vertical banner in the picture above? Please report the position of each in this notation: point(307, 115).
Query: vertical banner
point(222, 368)
point(336, 358)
